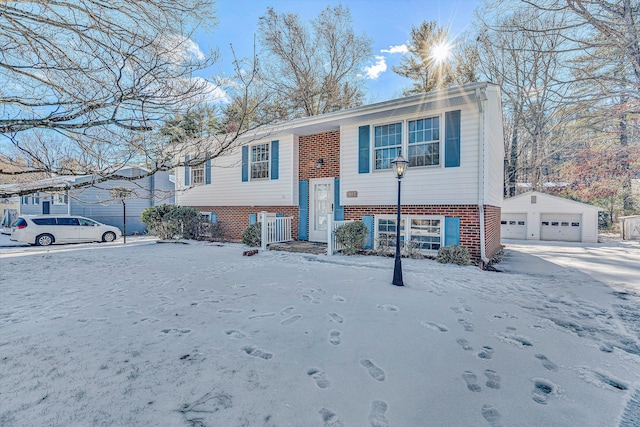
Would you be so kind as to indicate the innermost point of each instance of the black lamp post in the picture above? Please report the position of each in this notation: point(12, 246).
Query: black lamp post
point(399, 165)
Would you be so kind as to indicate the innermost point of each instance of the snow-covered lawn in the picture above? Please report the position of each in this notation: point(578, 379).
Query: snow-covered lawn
point(148, 334)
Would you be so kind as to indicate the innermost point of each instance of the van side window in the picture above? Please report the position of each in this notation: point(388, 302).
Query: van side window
point(87, 222)
point(68, 221)
point(44, 221)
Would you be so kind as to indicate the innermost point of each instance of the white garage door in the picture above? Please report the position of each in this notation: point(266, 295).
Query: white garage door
point(513, 226)
point(563, 227)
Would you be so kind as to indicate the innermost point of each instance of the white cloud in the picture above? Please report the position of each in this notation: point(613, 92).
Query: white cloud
point(374, 71)
point(396, 49)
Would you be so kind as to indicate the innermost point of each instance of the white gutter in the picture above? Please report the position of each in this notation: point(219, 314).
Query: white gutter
point(481, 96)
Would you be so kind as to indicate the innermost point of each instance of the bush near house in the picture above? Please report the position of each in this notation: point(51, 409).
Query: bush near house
point(171, 221)
point(252, 235)
point(454, 255)
point(352, 236)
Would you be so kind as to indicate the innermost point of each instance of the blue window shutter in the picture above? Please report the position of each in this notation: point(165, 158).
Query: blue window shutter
point(187, 172)
point(338, 210)
point(207, 170)
point(253, 218)
point(303, 215)
point(213, 218)
point(368, 222)
point(452, 139)
point(364, 145)
point(451, 231)
point(245, 163)
point(275, 149)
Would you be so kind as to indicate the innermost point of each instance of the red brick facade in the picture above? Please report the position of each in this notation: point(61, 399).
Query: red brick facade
point(469, 221)
point(492, 216)
point(325, 146)
point(234, 219)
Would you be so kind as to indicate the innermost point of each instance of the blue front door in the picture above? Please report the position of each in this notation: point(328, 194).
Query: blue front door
point(45, 208)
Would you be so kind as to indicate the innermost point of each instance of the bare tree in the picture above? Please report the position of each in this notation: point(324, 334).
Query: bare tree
point(85, 83)
point(312, 69)
point(435, 60)
point(528, 64)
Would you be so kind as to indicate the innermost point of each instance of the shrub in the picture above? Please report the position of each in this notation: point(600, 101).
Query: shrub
point(252, 235)
point(170, 221)
point(454, 255)
point(352, 236)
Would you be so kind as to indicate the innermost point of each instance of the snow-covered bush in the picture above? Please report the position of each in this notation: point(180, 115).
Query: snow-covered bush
point(351, 235)
point(454, 255)
point(252, 235)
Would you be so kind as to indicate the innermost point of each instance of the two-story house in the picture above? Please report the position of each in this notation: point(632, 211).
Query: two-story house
point(341, 162)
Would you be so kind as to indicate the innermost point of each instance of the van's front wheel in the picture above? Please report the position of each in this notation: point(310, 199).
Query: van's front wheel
point(44, 240)
point(109, 236)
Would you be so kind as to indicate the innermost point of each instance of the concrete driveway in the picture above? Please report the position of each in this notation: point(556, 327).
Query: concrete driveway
point(613, 262)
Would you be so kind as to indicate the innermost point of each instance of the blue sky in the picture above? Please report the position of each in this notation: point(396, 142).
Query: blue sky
point(387, 22)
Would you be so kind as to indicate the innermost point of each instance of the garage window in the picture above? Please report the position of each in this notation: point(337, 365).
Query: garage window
point(503, 222)
point(575, 224)
point(545, 222)
point(520, 222)
point(554, 223)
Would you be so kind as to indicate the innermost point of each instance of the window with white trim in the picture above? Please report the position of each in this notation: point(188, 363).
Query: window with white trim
point(197, 175)
point(59, 199)
point(260, 161)
point(424, 142)
point(425, 233)
point(387, 144)
point(386, 231)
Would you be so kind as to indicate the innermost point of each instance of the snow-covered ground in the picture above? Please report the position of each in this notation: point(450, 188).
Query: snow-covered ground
point(196, 334)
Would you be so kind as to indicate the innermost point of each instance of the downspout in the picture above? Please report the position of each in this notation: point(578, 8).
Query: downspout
point(481, 96)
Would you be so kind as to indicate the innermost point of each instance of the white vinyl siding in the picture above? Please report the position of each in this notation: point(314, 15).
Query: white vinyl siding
point(421, 185)
point(229, 190)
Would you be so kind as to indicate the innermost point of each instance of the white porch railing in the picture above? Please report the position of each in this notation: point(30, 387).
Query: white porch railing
point(274, 229)
point(332, 245)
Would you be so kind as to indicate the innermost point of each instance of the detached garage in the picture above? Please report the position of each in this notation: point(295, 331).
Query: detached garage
point(539, 216)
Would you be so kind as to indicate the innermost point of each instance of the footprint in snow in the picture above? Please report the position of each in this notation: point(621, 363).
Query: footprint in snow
point(493, 379)
point(548, 364)
point(471, 380)
point(375, 372)
point(542, 389)
point(468, 326)
point(434, 326)
point(252, 350)
point(388, 307)
point(234, 333)
point(465, 344)
point(376, 416)
point(319, 377)
point(286, 311)
point(491, 415)
point(334, 337)
point(261, 316)
point(336, 317)
point(486, 353)
point(291, 319)
point(338, 298)
point(330, 418)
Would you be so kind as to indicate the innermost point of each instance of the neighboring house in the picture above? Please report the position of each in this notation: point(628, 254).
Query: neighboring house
point(8, 210)
point(340, 162)
point(539, 216)
point(95, 201)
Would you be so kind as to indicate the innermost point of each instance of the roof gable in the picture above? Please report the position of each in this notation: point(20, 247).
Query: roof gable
point(554, 198)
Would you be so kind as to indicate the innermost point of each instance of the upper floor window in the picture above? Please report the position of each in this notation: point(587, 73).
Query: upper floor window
point(260, 161)
point(387, 143)
point(424, 142)
point(59, 199)
point(197, 175)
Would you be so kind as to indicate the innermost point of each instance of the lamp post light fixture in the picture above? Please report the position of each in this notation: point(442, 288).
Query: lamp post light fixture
point(399, 165)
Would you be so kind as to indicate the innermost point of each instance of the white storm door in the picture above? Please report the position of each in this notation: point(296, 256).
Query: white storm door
point(320, 204)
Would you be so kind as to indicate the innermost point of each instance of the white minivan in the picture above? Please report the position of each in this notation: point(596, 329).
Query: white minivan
point(44, 230)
